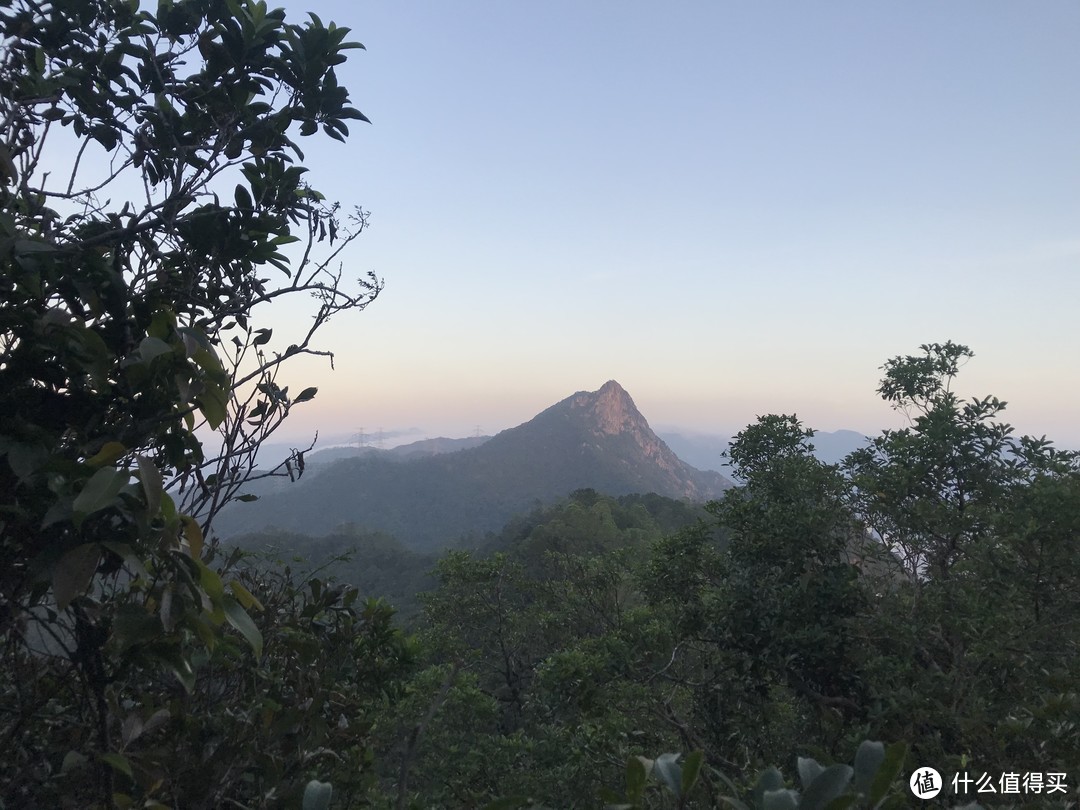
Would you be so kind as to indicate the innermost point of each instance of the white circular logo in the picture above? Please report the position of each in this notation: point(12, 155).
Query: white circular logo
point(925, 783)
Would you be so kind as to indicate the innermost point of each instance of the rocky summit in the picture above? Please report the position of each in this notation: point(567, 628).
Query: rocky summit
point(611, 445)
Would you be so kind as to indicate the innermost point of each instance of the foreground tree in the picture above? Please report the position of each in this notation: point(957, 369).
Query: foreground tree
point(972, 652)
point(149, 191)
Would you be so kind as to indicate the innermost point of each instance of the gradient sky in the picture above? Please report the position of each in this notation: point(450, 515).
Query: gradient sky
point(732, 208)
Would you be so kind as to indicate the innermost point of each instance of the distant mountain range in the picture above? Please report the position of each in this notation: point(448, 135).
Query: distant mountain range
point(419, 449)
point(430, 493)
point(701, 450)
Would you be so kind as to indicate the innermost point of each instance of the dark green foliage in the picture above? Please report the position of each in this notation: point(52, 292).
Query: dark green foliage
point(792, 539)
point(871, 783)
point(148, 190)
point(246, 730)
point(970, 511)
point(374, 563)
point(549, 632)
point(792, 623)
point(924, 591)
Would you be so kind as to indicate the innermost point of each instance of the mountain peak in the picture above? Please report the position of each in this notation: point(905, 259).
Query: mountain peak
point(609, 410)
point(591, 439)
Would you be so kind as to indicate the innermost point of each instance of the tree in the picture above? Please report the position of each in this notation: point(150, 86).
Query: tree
point(971, 649)
point(775, 609)
point(930, 489)
point(151, 205)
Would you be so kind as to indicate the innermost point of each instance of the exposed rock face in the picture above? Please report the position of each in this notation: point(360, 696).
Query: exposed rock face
point(612, 411)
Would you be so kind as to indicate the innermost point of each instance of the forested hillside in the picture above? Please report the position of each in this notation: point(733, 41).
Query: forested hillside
point(594, 439)
point(380, 566)
point(783, 624)
point(923, 593)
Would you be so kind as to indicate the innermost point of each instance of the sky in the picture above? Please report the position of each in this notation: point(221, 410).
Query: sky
point(731, 208)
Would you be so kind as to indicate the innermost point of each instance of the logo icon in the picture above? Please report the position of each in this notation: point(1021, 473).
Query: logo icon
point(925, 783)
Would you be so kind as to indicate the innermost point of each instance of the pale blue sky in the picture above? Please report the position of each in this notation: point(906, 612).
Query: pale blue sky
point(732, 208)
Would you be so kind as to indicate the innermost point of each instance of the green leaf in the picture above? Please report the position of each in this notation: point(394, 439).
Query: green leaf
point(213, 404)
point(691, 770)
point(208, 361)
point(110, 453)
point(152, 484)
point(165, 610)
point(244, 597)
point(168, 510)
point(72, 574)
point(211, 583)
point(769, 779)
point(26, 459)
point(895, 755)
point(867, 761)
point(151, 347)
point(118, 762)
point(317, 795)
point(239, 618)
point(99, 492)
point(667, 770)
point(636, 775)
point(306, 394)
point(809, 770)
point(826, 787)
point(162, 324)
point(243, 198)
point(73, 761)
point(194, 536)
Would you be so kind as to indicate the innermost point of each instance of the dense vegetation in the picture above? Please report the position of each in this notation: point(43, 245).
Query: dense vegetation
point(776, 623)
point(924, 593)
point(379, 565)
point(783, 624)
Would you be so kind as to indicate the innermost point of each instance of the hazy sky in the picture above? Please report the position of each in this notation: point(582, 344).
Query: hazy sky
point(732, 208)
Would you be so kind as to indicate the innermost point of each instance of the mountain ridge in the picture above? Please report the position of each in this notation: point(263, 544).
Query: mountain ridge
point(597, 440)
